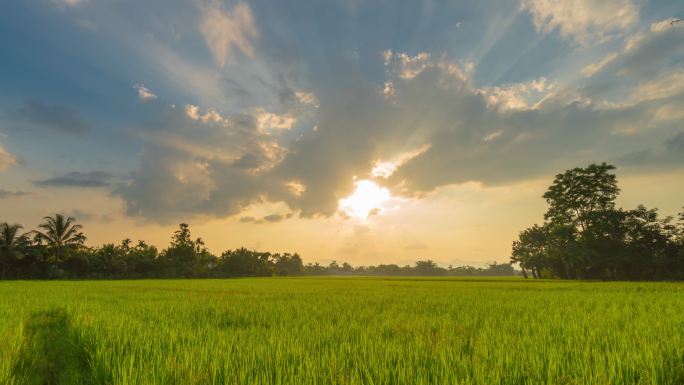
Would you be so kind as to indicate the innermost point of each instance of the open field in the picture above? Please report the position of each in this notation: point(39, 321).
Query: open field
point(341, 331)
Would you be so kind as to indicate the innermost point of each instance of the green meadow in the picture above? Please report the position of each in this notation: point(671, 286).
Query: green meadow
point(341, 331)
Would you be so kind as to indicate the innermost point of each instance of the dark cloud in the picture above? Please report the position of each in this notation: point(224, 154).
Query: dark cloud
point(272, 218)
point(670, 153)
point(7, 194)
point(56, 117)
point(78, 179)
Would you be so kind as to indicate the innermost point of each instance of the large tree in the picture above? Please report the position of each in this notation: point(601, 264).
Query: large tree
point(579, 194)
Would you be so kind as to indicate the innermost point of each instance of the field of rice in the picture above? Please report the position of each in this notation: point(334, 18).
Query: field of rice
point(341, 331)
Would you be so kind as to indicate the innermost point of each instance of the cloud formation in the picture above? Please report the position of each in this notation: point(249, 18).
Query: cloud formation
point(198, 161)
point(435, 128)
point(585, 22)
point(144, 93)
point(227, 30)
point(78, 179)
point(7, 194)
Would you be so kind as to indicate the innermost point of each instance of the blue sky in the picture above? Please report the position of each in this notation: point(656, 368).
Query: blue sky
point(210, 110)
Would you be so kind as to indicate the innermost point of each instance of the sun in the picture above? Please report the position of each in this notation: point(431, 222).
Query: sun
point(366, 200)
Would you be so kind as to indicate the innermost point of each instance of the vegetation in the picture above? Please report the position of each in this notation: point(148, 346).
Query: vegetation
point(584, 236)
point(341, 330)
point(58, 251)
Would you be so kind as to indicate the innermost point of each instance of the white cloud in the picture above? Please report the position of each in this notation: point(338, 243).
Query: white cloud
point(144, 93)
point(586, 22)
point(663, 86)
point(518, 96)
point(593, 68)
point(192, 111)
point(6, 159)
point(306, 98)
point(225, 31)
point(270, 121)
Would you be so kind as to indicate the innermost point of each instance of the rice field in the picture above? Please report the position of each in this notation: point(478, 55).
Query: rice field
point(341, 331)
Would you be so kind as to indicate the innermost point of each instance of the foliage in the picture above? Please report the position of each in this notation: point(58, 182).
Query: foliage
point(585, 236)
point(60, 253)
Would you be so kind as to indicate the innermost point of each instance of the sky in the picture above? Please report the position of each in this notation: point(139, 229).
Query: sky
point(364, 131)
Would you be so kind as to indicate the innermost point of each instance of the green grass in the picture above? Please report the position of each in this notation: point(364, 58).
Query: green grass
point(341, 331)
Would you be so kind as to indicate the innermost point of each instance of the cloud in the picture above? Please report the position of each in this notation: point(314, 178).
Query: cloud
point(7, 194)
point(669, 153)
point(268, 120)
point(78, 179)
point(274, 218)
point(56, 117)
point(144, 93)
point(80, 215)
point(7, 160)
point(586, 22)
point(644, 53)
point(593, 68)
point(271, 218)
point(436, 128)
point(199, 162)
point(224, 31)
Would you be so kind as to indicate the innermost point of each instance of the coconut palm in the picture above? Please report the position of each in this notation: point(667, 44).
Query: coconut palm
point(12, 245)
point(59, 232)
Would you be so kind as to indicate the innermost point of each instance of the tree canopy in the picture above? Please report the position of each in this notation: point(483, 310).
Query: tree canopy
point(585, 236)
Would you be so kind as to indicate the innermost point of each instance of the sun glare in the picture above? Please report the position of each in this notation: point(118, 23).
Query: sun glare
point(366, 200)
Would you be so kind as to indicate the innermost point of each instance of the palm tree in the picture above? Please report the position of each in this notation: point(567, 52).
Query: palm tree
point(12, 245)
point(59, 232)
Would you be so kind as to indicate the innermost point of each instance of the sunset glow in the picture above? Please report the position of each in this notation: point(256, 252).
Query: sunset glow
point(366, 200)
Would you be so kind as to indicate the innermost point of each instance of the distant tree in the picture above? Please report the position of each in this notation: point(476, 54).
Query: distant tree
point(13, 245)
point(63, 238)
point(288, 264)
point(60, 232)
point(179, 259)
point(428, 267)
point(110, 261)
point(141, 260)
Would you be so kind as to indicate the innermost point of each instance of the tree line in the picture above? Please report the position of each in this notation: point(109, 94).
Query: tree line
point(584, 236)
point(57, 250)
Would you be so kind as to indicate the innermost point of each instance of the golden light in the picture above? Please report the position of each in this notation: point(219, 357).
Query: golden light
point(367, 199)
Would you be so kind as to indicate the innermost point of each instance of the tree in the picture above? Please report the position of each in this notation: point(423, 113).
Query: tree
point(529, 251)
point(63, 237)
point(59, 232)
point(585, 236)
point(110, 261)
point(179, 259)
point(428, 267)
point(141, 260)
point(12, 246)
point(578, 192)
